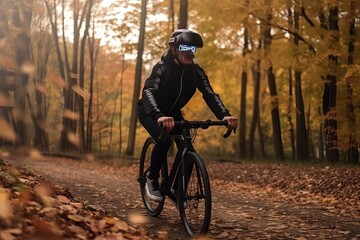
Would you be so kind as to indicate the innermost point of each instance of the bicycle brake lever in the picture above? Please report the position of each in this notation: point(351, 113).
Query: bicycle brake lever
point(227, 134)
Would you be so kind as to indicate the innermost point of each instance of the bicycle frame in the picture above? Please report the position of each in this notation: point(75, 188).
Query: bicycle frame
point(192, 194)
point(169, 179)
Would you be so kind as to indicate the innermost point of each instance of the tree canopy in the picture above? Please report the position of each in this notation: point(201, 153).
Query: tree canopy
point(287, 69)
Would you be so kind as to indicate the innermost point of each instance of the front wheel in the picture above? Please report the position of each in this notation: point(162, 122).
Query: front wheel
point(153, 208)
point(195, 196)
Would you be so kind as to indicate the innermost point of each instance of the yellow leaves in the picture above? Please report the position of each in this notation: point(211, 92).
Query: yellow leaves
point(31, 208)
point(49, 212)
point(8, 234)
point(137, 219)
point(35, 154)
point(7, 132)
point(71, 115)
point(81, 92)
point(41, 88)
point(43, 192)
point(6, 62)
point(24, 198)
point(63, 199)
point(72, 137)
point(6, 212)
point(56, 80)
point(119, 226)
point(14, 171)
point(75, 217)
point(96, 226)
point(27, 68)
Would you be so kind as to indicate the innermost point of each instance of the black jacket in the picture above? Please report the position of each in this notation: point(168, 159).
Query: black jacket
point(170, 87)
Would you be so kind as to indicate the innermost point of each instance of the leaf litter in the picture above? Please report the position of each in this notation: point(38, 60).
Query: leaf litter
point(289, 202)
point(34, 209)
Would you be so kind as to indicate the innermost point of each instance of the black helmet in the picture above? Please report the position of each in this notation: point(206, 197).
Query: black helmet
point(185, 36)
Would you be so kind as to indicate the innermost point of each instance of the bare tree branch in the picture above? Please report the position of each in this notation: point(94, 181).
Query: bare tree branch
point(311, 47)
point(303, 13)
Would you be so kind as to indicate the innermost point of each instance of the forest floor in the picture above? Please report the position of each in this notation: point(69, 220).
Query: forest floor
point(60, 198)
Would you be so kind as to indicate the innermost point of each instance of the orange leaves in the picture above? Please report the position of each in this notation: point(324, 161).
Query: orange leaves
point(31, 208)
point(56, 80)
point(7, 132)
point(5, 61)
point(6, 212)
point(81, 92)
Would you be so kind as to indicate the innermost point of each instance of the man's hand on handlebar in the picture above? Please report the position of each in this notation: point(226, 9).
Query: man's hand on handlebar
point(232, 122)
point(166, 122)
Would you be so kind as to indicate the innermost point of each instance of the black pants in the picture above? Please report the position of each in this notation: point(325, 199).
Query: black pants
point(159, 154)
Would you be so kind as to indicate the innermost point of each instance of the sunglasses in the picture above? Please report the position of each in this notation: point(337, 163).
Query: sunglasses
point(185, 48)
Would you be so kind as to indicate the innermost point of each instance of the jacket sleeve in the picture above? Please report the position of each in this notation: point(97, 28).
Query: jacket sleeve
point(211, 98)
point(150, 89)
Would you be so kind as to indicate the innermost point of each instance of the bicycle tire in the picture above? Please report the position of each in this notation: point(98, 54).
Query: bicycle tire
point(195, 201)
point(152, 207)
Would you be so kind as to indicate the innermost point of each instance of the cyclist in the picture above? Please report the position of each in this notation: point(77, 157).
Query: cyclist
point(170, 86)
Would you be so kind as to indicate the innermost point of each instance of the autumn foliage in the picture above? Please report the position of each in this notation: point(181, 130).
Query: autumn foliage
point(33, 208)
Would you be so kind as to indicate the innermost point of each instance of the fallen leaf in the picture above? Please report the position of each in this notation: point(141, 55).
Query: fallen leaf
point(223, 235)
point(136, 219)
point(75, 217)
point(5, 208)
point(120, 226)
point(63, 199)
point(77, 205)
point(111, 220)
point(6, 235)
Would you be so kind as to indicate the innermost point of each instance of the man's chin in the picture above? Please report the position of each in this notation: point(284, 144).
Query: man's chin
point(188, 62)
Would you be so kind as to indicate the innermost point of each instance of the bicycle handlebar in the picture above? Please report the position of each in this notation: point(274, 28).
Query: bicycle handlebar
point(201, 124)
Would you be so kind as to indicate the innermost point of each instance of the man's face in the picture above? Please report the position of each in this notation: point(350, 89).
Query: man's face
point(185, 53)
point(186, 57)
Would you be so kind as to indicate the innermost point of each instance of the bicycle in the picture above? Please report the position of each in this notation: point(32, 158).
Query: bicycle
point(188, 175)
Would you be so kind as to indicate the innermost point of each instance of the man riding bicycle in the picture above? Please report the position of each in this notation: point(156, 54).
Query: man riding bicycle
point(170, 86)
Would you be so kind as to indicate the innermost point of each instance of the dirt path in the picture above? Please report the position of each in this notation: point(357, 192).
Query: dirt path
point(241, 210)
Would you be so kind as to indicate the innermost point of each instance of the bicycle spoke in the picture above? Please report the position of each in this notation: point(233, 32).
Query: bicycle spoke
point(153, 208)
point(196, 209)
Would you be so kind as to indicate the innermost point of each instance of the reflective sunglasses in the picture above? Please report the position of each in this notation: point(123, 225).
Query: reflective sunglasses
point(185, 48)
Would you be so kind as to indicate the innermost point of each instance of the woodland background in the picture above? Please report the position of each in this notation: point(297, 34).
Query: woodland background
point(71, 72)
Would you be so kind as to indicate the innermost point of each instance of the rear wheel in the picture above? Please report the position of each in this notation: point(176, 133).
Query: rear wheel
point(153, 208)
point(195, 198)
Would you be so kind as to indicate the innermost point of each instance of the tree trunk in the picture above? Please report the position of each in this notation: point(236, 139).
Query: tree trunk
point(121, 102)
point(63, 70)
point(261, 137)
point(81, 98)
point(69, 139)
point(289, 116)
point(183, 14)
point(93, 53)
point(329, 95)
point(275, 115)
point(291, 97)
point(172, 16)
point(118, 93)
point(256, 108)
point(137, 85)
point(244, 79)
point(302, 147)
point(42, 58)
point(353, 152)
point(53, 22)
point(22, 20)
